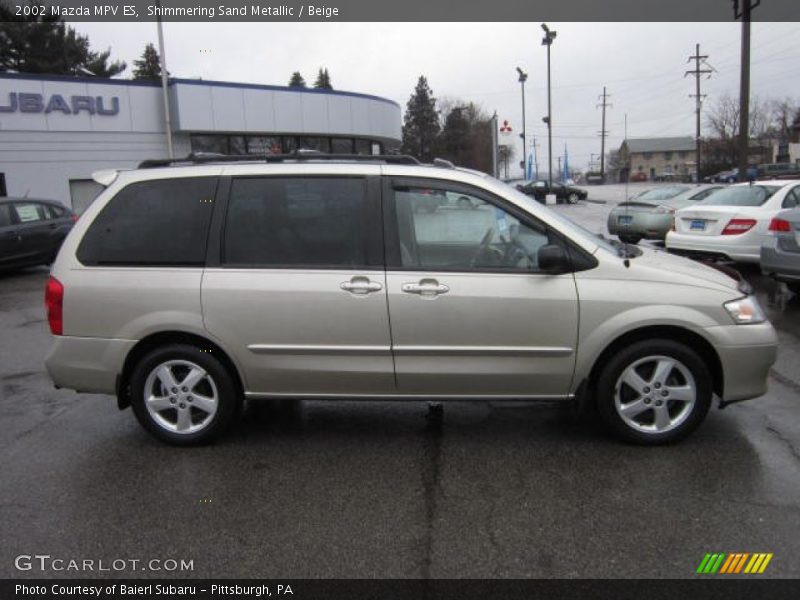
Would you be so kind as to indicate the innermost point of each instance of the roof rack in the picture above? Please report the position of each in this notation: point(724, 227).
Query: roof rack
point(196, 158)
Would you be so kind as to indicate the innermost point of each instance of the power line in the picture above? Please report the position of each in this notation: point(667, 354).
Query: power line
point(603, 133)
point(698, 73)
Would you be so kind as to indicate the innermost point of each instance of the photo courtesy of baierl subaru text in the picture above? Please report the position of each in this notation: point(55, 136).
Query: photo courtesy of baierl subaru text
point(399, 300)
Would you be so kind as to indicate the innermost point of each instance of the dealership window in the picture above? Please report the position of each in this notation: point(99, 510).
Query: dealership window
point(263, 145)
point(342, 146)
point(667, 155)
point(293, 221)
point(237, 145)
point(217, 144)
point(161, 222)
point(314, 143)
point(363, 147)
point(82, 193)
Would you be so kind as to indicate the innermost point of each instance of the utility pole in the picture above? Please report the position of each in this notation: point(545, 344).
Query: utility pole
point(495, 172)
point(603, 134)
point(549, 36)
point(744, 88)
point(164, 83)
point(523, 77)
point(698, 72)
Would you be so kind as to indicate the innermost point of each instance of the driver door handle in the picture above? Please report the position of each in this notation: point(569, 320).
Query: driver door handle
point(425, 287)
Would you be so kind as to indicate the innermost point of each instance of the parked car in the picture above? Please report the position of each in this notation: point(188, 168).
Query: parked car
point(778, 171)
point(730, 224)
point(730, 176)
point(639, 176)
point(780, 249)
point(649, 215)
point(186, 288)
point(563, 193)
point(31, 231)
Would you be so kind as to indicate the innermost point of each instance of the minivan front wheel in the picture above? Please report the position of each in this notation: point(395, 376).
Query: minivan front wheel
point(654, 392)
point(183, 395)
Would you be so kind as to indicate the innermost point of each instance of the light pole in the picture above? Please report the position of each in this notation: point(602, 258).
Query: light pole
point(549, 36)
point(523, 76)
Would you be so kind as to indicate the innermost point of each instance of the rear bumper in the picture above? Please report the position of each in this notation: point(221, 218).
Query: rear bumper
point(746, 352)
point(87, 364)
point(779, 263)
point(715, 246)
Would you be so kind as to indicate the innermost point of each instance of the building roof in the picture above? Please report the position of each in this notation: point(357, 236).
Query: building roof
point(667, 144)
point(201, 82)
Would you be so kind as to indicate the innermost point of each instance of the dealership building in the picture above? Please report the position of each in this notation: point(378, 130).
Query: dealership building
point(56, 131)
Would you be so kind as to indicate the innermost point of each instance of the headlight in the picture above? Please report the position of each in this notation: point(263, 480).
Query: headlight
point(745, 311)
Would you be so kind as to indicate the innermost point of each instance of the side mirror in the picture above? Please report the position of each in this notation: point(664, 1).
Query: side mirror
point(553, 259)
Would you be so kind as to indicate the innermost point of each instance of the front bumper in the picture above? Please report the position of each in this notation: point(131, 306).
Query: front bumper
point(746, 352)
point(715, 246)
point(87, 364)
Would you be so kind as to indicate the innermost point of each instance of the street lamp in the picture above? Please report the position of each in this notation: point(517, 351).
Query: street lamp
point(549, 36)
point(523, 76)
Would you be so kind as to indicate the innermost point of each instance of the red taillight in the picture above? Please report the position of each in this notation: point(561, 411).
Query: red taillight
point(74, 217)
point(737, 226)
point(54, 301)
point(779, 225)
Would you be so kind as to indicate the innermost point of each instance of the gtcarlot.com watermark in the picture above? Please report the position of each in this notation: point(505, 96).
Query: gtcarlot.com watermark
point(45, 562)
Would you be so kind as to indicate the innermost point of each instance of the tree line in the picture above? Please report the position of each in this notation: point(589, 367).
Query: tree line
point(449, 128)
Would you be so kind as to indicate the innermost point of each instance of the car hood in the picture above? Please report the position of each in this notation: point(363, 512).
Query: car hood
point(659, 262)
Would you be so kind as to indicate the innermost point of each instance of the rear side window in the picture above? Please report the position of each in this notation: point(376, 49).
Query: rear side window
point(163, 222)
point(294, 221)
point(53, 212)
point(29, 212)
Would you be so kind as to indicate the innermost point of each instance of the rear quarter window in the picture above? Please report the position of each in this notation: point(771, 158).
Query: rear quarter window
point(164, 222)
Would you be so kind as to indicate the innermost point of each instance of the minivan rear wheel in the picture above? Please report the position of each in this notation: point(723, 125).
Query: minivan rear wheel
point(654, 392)
point(183, 395)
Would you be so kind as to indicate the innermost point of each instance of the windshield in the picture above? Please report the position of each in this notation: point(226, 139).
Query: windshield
point(663, 193)
point(568, 226)
point(742, 195)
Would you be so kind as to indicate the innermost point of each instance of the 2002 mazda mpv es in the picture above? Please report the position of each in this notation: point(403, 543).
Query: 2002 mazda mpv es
point(186, 288)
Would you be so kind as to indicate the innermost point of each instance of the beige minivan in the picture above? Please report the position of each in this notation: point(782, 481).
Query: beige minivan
point(189, 286)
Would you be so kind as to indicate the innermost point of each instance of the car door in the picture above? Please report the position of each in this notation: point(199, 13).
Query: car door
point(298, 290)
point(10, 239)
point(33, 229)
point(471, 312)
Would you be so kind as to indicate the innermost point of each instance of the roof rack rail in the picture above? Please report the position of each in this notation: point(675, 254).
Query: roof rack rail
point(310, 155)
point(443, 163)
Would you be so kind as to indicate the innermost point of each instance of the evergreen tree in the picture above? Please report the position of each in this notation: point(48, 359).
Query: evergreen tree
point(149, 65)
point(44, 44)
point(297, 80)
point(323, 80)
point(421, 123)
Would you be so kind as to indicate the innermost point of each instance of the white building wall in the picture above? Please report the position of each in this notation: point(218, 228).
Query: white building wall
point(41, 151)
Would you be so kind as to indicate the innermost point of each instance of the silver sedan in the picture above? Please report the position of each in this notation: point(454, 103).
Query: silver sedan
point(780, 251)
point(649, 215)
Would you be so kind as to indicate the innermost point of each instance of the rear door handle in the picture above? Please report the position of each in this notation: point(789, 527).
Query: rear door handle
point(425, 287)
point(360, 286)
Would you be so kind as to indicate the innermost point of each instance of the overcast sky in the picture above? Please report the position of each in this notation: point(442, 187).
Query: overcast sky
point(642, 65)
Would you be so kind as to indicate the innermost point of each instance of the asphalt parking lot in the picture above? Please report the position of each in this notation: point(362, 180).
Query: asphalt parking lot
point(363, 489)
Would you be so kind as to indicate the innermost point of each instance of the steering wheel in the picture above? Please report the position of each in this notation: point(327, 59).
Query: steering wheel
point(483, 246)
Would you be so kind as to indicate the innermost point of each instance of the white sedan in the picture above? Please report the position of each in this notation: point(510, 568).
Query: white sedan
point(731, 223)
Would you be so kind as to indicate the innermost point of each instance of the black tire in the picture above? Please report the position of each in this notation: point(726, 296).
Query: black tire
point(689, 418)
point(630, 239)
point(228, 397)
point(573, 198)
